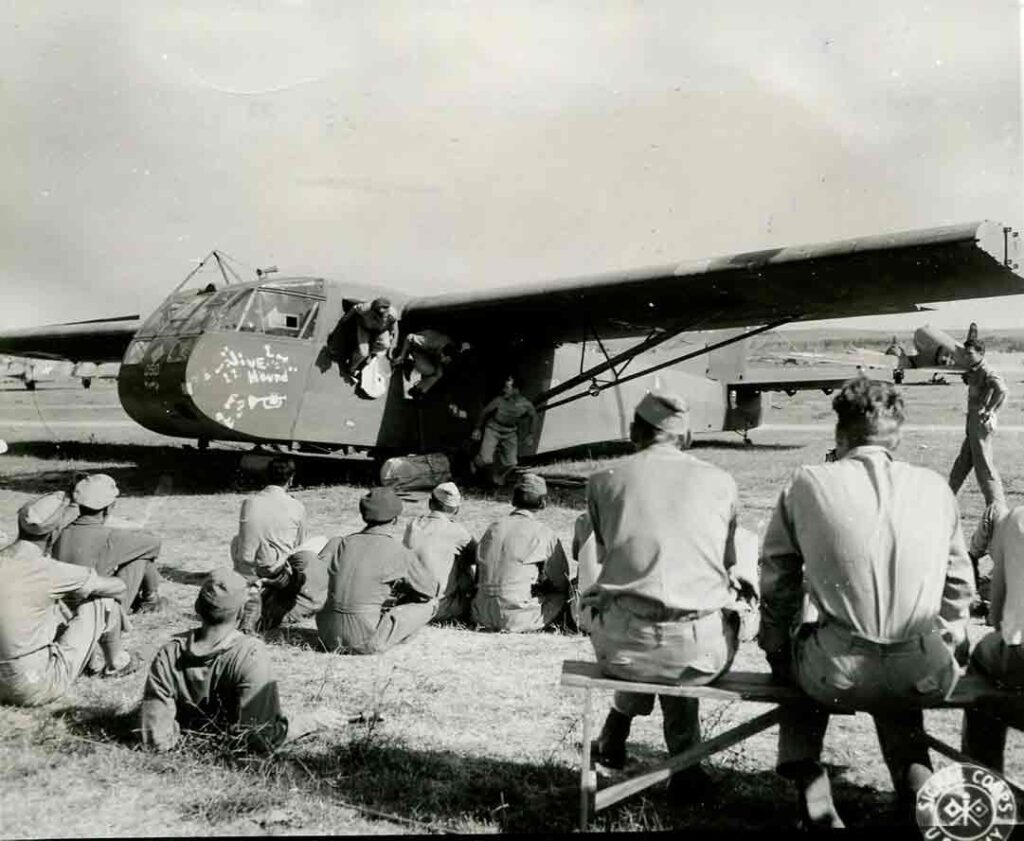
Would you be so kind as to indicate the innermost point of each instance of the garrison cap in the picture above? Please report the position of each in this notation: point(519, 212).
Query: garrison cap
point(96, 491)
point(447, 493)
point(380, 505)
point(531, 483)
point(223, 592)
point(44, 514)
point(664, 411)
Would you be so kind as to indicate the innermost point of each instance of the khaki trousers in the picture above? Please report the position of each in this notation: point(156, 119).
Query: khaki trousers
point(985, 726)
point(47, 674)
point(976, 452)
point(636, 640)
point(892, 681)
point(372, 633)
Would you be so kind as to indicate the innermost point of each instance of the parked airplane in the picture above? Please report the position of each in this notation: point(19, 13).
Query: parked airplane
point(34, 371)
point(252, 361)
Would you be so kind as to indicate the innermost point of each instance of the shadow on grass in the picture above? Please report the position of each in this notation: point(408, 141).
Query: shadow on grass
point(102, 724)
point(453, 791)
point(142, 467)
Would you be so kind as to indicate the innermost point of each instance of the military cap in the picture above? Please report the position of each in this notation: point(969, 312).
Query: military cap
point(44, 514)
point(664, 411)
point(380, 304)
point(96, 491)
point(447, 493)
point(380, 505)
point(531, 483)
point(222, 593)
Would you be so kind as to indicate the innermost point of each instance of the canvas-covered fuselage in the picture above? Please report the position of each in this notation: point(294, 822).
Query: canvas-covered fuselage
point(251, 362)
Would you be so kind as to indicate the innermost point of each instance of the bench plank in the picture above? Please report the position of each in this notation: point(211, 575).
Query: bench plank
point(757, 686)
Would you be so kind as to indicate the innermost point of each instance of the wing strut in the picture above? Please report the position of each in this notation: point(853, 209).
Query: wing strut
point(596, 388)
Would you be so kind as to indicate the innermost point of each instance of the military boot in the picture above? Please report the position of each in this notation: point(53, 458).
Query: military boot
point(610, 747)
point(814, 799)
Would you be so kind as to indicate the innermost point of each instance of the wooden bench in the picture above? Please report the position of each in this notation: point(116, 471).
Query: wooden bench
point(733, 686)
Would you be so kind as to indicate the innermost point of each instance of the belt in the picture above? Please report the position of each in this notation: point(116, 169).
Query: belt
point(862, 643)
point(647, 609)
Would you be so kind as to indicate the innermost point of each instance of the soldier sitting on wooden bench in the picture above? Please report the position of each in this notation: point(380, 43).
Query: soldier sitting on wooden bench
point(664, 523)
point(865, 586)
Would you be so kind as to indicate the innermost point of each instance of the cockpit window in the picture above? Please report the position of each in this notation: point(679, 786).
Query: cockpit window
point(168, 318)
point(277, 313)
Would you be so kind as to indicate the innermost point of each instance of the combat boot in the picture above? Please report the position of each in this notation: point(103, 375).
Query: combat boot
point(610, 748)
point(814, 799)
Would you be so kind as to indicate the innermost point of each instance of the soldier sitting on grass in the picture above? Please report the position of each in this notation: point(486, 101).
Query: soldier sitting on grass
point(214, 678)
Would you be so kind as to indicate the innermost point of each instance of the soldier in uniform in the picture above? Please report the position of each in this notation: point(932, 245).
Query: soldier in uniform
point(986, 392)
point(865, 587)
point(497, 430)
point(376, 325)
point(664, 523)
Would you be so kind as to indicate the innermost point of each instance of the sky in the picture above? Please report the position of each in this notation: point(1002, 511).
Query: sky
point(439, 146)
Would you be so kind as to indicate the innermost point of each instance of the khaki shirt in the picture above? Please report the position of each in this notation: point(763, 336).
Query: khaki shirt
point(227, 690)
point(90, 542)
point(362, 569)
point(1006, 548)
point(31, 589)
point(507, 412)
point(876, 546)
point(443, 549)
point(986, 388)
point(507, 558)
point(664, 522)
point(271, 525)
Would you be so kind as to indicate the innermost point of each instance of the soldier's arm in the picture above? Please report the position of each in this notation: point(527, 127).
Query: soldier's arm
point(781, 581)
point(260, 722)
point(248, 534)
point(997, 588)
point(556, 569)
point(487, 411)
point(959, 586)
point(997, 391)
point(159, 726)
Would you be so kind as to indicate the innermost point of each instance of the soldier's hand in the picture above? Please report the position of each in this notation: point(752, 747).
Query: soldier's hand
point(476, 435)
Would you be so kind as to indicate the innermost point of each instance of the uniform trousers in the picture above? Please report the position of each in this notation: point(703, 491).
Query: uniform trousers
point(844, 672)
point(985, 726)
point(635, 639)
point(499, 450)
point(46, 674)
point(976, 452)
point(372, 631)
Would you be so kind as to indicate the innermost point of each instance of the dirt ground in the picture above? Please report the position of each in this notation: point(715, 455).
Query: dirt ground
point(456, 730)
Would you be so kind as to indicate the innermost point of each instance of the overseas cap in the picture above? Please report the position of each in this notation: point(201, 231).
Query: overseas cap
point(447, 493)
point(531, 483)
point(96, 491)
point(380, 505)
point(665, 411)
point(44, 514)
point(223, 592)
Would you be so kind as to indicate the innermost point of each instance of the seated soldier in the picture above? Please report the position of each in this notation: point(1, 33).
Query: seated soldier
point(45, 643)
point(445, 553)
point(664, 523)
point(287, 579)
point(126, 553)
point(374, 600)
point(999, 656)
point(214, 678)
point(865, 585)
point(522, 575)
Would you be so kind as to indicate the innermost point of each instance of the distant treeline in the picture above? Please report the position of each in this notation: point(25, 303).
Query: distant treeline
point(813, 341)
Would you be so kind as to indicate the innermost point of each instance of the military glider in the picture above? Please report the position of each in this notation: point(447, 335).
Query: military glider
point(254, 361)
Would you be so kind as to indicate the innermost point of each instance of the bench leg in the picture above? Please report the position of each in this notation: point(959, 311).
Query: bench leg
point(588, 776)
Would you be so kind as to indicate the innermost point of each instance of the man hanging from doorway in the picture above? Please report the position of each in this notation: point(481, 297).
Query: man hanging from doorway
point(375, 330)
point(428, 353)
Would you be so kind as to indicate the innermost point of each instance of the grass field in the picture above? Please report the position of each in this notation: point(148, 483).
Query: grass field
point(454, 731)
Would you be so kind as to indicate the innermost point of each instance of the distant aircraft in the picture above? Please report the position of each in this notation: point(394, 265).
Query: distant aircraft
point(252, 361)
point(932, 349)
point(34, 371)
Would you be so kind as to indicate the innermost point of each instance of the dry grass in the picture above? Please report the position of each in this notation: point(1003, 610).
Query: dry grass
point(460, 731)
